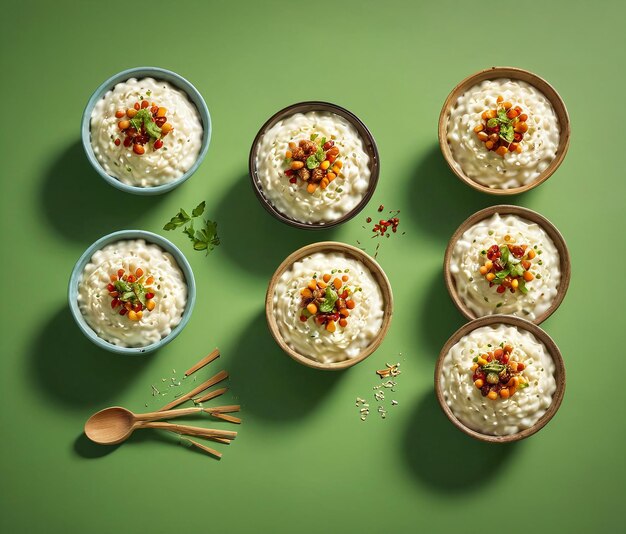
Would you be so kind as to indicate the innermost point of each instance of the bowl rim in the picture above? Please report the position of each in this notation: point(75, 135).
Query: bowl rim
point(355, 253)
point(303, 107)
point(559, 376)
point(113, 237)
point(159, 74)
point(524, 213)
point(517, 74)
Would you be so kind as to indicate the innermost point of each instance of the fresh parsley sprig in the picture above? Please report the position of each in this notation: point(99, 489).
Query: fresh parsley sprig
point(203, 238)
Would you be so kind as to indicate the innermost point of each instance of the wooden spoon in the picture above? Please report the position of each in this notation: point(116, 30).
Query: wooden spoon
point(114, 425)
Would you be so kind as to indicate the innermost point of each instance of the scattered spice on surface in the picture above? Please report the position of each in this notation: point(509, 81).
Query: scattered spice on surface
point(387, 374)
point(383, 228)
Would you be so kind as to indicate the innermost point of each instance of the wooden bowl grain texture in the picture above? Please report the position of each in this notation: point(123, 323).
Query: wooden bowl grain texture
point(524, 213)
point(515, 74)
point(348, 250)
point(522, 324)
point(369, 144)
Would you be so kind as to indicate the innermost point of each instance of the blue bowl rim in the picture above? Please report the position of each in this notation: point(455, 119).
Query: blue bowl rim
point(158, 73)
point(120, 235)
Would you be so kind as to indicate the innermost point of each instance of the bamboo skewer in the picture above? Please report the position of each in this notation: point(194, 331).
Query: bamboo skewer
point(204, 361)
point(210, 395)
point(204, 448)
point(225, 417)
point(222, 375)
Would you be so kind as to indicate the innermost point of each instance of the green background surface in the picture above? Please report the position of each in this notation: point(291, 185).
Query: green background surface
point(303, 461)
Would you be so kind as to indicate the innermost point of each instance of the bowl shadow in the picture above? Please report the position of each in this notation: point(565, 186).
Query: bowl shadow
point(439, 202)
point(68, 186)
point(444, 458)
point(72, 371)
point(269, 384)
point(252, 238)
point(440, 317)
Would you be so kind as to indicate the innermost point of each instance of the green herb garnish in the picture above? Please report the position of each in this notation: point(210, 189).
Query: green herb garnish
point(312, 162)
point(328, 303)
point(144, 117)
point(203, 238)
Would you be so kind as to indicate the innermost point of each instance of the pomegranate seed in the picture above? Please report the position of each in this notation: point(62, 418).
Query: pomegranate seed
point(123, 311)
point(369, 220)
point(489, 358)
point(303, 318)
point(160, 121)
point(381, 208)
point(289, 172)
point(344, 295)
point(293, 180)
point(505, 358)
point(520, 366)
point(115, 303)
point(128, 141)
point(328, 145)
point(111, 287)
point(154, 109)
point(137, 106)
point(501, 289)
point(145, 104)
point(131, 278)
point(149, 296)
point(117, 142)
point(137, 307)
point(158, 144)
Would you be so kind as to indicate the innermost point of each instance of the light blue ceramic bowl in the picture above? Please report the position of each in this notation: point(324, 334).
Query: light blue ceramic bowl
point(149, 237)
point(158, 74)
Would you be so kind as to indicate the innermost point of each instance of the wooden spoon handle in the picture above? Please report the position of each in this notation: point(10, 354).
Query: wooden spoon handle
point(191, 430)
point(157, 416)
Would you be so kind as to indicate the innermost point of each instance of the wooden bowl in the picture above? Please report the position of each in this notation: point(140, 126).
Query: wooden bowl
point(369, 144)
point(524, 213)
point(559, 375)
point(514, 74)
point(348, 250)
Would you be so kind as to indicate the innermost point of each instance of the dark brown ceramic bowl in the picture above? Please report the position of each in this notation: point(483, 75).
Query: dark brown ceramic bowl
point(524, 213)
point(368, 142)
point(350, 251)
point(522, 324)
point(511, 73)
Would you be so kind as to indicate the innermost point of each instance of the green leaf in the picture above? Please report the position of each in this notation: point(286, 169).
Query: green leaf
point(493, 367)
point(199, 209)
point(152, 129)
point(502, 274)
point(128, 296)
point(517, 270)
point(502, 116)
point(190, 232)
point(504, 254)
point(522, 286)
point(311, 162)
point(184, 214)
point(170, 226)
point(200, 245)
point(140, 292)
point(507, 133)
point(122, 286)
point(322, 141)
point(329, 300)
point(313, 137)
